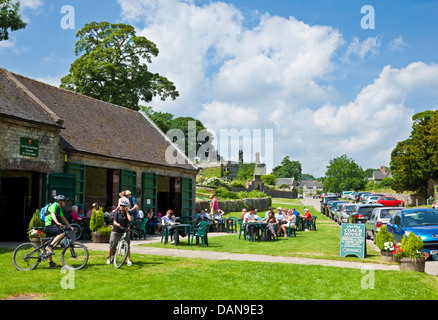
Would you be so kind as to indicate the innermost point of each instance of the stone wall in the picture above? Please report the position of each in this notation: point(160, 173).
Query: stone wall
point(261, 204)
point(50, 157)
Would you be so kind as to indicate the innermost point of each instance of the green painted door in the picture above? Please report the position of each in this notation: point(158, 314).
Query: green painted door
point(78, 170)
point(186, 199)
point(149, 192)
point(128, 181)
point(62, 184)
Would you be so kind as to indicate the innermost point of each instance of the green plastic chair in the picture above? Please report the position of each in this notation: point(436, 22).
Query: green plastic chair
point(142, 228)
point(201, 231)
point(292, 230)
point(242, 228)
point(311, 224)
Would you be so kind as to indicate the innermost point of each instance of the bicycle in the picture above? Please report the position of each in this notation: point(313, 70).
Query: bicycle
point(121, 252)
point(28, 255)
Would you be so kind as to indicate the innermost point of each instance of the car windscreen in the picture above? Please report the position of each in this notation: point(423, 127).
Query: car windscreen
point(420, 218)
point(387, 213)
point(349, 208)
point(365, 211)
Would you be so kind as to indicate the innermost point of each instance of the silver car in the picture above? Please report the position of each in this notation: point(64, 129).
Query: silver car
point(372, 199)
point(379, 217)
point(344, 212)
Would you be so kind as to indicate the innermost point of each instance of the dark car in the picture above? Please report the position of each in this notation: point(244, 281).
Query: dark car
point(362, 212)
point(324, 202)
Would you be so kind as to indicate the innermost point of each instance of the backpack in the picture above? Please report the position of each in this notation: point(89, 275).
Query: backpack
point(44, 212)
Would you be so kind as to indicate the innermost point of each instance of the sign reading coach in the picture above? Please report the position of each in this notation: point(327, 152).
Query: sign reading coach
point(353, 240)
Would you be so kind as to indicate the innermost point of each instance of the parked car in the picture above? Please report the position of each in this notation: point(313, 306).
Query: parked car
point(371, 194)
point(362, 212)
point(372, 199)
point(359, 195)
point(379, 217)
point(422, 222)
point(344, 212)
point(324, 202)
point(345, 194)
point(390, 202)
point(352, 195)
point(333, 205)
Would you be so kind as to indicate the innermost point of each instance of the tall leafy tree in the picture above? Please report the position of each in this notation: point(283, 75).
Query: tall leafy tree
point(415, 160)
point(343, 174)
point(288, 169)
point(113, 66)
point(10, 19)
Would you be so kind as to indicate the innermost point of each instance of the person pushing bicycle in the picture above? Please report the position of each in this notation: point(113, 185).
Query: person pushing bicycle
point(53, 227)
point(122, 219)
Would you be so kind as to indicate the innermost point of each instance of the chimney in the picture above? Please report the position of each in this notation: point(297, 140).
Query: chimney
point(383, 169)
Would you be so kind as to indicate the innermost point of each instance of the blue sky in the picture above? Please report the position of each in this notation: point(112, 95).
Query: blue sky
point(304, 69)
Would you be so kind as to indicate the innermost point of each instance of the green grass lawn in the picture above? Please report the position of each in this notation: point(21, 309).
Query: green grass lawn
point(321, 244)
point(170, 278)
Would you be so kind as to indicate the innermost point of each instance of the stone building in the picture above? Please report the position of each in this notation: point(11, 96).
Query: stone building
point(55, 141)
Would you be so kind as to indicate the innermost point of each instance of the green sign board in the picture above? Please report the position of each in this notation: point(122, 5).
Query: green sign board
point(353, 240)
point(29, 147)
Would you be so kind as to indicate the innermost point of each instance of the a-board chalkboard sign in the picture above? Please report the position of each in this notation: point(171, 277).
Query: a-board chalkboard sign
point(353, 240)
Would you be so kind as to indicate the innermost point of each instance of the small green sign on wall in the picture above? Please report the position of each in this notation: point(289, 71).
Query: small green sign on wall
point(29, 147)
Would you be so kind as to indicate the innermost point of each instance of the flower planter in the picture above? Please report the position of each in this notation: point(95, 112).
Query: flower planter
point(98, 238)
point(35, 240)
point(387, 256)
point(412, 264)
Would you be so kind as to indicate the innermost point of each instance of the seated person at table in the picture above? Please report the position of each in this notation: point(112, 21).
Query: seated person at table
point(243, 213)
point(74, 214)
point(289, 222)
point(169, 220)
point(207, 217)
point(307, 216)
point(271, 221)
point(153, 221)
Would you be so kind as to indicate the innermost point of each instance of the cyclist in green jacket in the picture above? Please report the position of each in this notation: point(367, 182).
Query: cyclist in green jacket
point(53, 226)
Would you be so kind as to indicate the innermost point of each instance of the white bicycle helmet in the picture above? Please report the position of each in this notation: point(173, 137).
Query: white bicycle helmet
point(124, 202)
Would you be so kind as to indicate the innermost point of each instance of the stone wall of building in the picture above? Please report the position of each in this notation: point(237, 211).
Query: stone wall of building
point(50, 156)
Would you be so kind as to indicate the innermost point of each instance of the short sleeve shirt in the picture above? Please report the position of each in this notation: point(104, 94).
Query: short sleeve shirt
point(58, 213)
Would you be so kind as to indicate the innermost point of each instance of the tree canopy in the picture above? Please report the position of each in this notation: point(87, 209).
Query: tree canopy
point(343, 174)
point(9, 18)
point(415, 160)
point(288, 169)
point(112, 66)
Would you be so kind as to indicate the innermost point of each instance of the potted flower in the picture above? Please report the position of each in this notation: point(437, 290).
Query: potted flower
point(34, 235)
point(385, 242)
point(410, 253)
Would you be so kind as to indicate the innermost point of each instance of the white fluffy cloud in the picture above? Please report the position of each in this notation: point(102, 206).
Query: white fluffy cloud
point(267, 71)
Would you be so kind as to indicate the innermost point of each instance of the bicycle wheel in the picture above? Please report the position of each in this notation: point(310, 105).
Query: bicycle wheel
point(26, 256)
point(121, 254)
point(74, 256)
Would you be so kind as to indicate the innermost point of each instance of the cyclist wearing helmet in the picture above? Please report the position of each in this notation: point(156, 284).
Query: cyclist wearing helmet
point(121, 220)
point(52, 225)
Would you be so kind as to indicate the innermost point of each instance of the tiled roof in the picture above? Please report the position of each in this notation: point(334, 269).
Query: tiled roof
point(16, 103)
point(100, 128)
